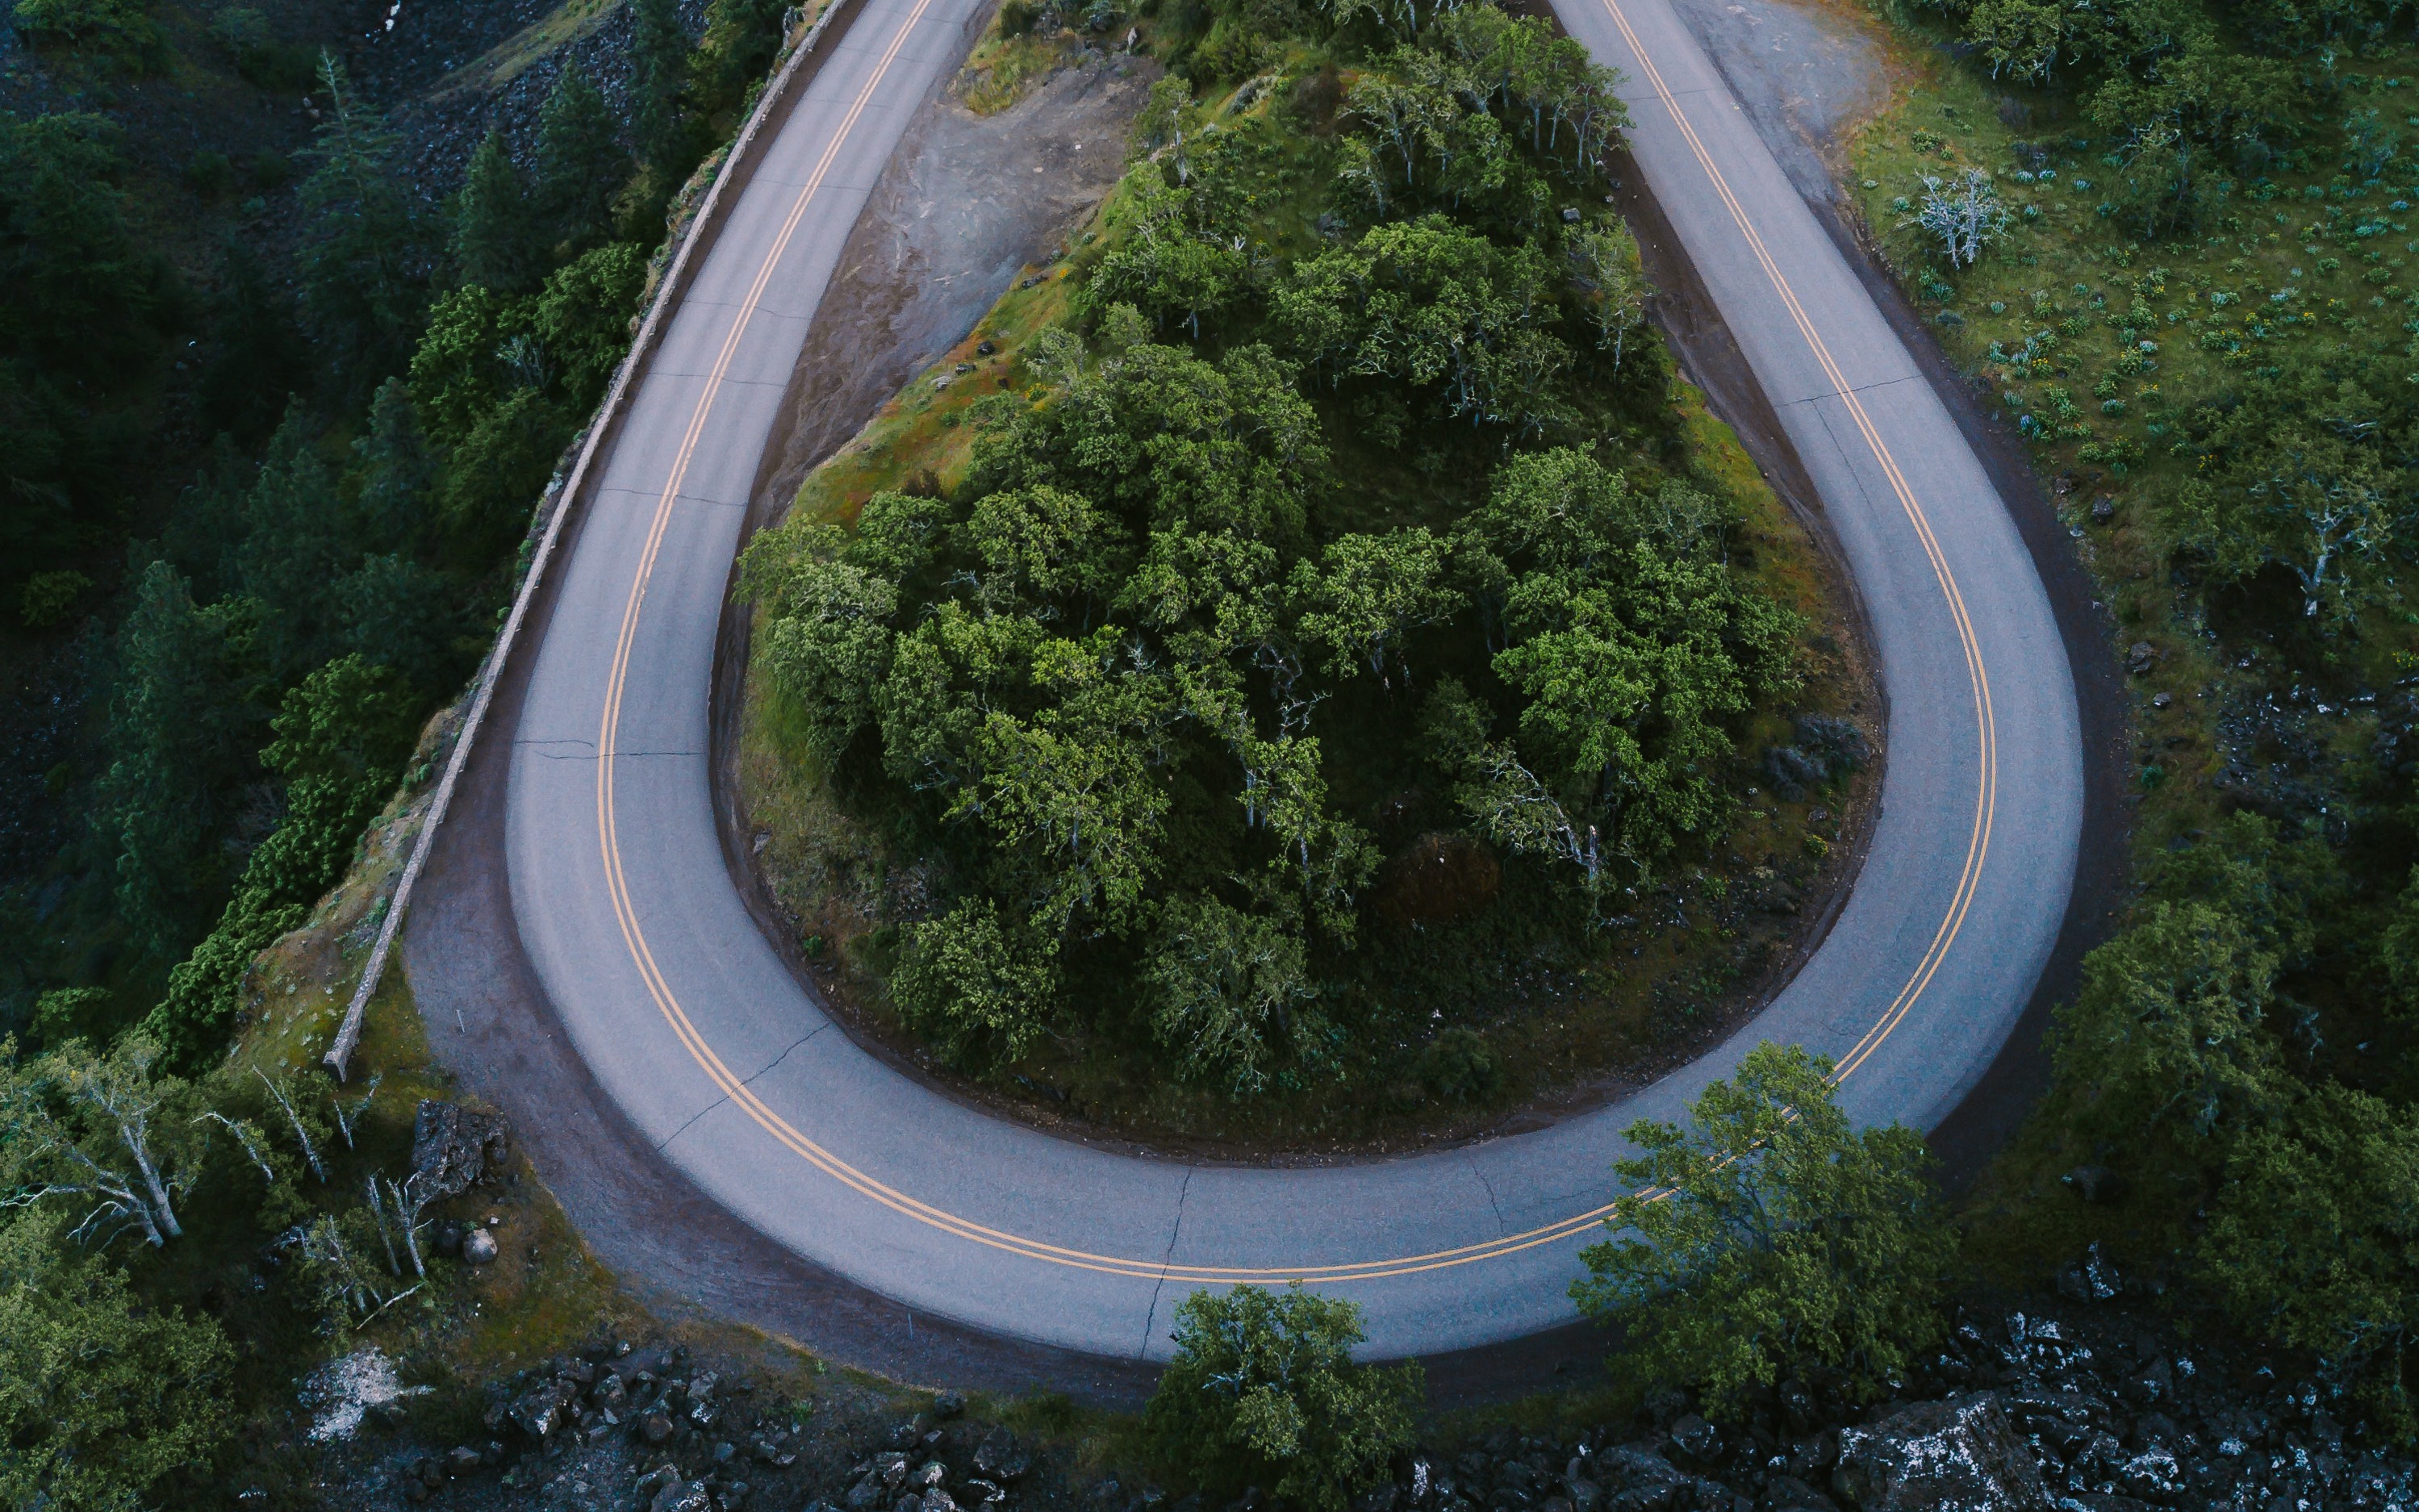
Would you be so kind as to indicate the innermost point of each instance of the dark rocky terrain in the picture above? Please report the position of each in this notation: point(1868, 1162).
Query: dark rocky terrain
point(2085, 1402)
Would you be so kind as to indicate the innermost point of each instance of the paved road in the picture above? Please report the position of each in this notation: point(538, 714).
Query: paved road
point(690, 1021)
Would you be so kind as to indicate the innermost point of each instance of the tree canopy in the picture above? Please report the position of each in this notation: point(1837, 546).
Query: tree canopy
point(1767, 1235)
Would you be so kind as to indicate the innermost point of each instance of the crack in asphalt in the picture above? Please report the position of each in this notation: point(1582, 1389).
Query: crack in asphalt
point(1501, 1225)
point(1150, 1315)
point(1861, 388)
point(665, 1143)
point(785, 1054)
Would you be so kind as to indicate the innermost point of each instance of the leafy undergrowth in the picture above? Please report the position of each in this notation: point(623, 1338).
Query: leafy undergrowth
point(2204, 338)
point(1533, 1011)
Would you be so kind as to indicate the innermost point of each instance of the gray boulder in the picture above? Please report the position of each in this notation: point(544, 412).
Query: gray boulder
point(451, 1147)
point(1960, 1454)
point(1000, 1456)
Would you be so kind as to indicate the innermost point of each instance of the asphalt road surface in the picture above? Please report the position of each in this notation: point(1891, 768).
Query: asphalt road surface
point(690, 1021)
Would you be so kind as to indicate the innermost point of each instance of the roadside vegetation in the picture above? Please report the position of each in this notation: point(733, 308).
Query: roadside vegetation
point(2173, 241)
point(1305, 668)
point(388, 383)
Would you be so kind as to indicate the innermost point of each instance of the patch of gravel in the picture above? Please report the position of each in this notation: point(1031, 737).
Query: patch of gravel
point(965, 203)
point(1804, 73)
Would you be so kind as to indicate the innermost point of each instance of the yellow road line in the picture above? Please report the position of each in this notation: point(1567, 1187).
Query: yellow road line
point(625, 911)
point(1986, 795)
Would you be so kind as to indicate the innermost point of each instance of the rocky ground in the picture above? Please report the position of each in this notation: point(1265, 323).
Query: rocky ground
point(2085, 1401)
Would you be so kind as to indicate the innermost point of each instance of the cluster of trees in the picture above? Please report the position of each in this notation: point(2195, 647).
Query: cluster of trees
point(302, 615)
point(120, 1392)
point(1127, 682)
point(2197, 1050)
point(2209, 1054)
point(383, 437)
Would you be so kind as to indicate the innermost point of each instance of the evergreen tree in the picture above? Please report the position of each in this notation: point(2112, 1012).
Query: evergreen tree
point(494, 243)
point(398, 472)
point(582, 164)
point(180, 727)
point(660, 60)
point(361, 255)
point(741, 36)
point(254, 359)
point(298, 540)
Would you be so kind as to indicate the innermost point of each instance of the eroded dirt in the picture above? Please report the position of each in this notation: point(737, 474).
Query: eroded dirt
point(967, 202)
point(1804, 73)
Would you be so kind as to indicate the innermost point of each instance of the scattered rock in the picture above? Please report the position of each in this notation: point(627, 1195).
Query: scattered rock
point(342, 1393)
point(2141, 658)
point(686, 1496)
point(2104, 509)
point(1956, 1456)
point(2088, 1279)
point(1699, 1442)
point(477, 1247)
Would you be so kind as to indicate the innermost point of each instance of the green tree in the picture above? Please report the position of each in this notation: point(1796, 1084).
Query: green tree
point(361, 258)
point(2167, 1034)
point(84, 297)
point(2276, 886)
point(660, 58)
point(107, 1136)
point(1076, 794)
point(1375, 590)
point(342, 737)
point(741, 37)
point(1045, 548)
point(1220, 981)
point(1165, 265)
point(105, 1400)
point(455, 380)
point(2313, 1242)
point(398, 612)
point(828, 644)
point(181, 729)
point(1442, 309)
point(1767, 1235)
point(495, 238)
point(298, 540)
point(2397, 946)
point(120, 32)
point(981, 988)
point(582, 164)
point(1263, 1391)
point(581, 320)
point(398, 473)
point(500, 470)
point(253, 360)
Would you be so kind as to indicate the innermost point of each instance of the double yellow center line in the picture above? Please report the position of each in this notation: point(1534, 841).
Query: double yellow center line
point(736, 1087)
